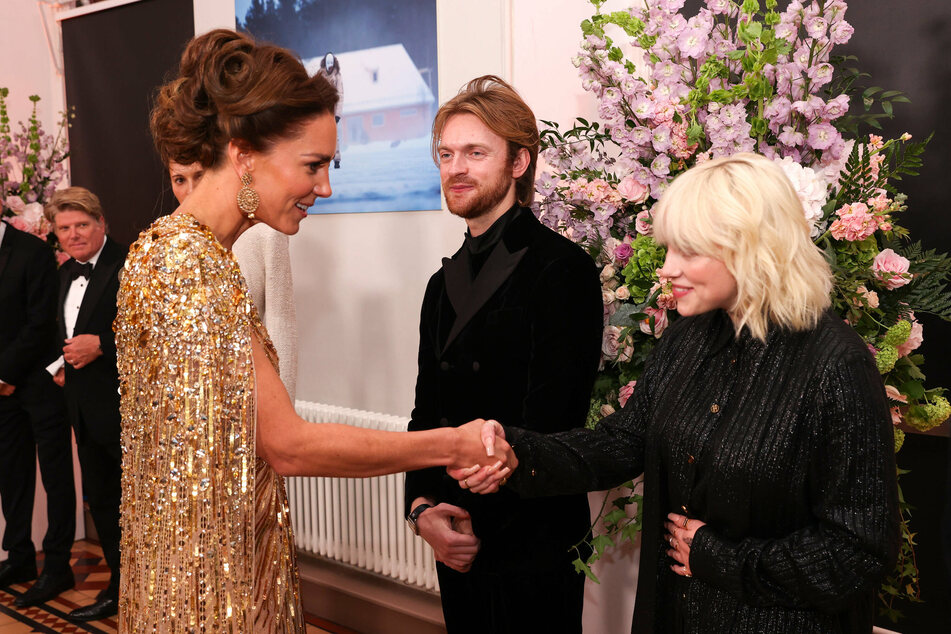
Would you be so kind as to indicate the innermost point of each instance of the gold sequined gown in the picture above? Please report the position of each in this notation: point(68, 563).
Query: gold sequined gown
point(206, 537)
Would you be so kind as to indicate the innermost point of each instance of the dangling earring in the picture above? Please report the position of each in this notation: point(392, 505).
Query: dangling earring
point(248, 199)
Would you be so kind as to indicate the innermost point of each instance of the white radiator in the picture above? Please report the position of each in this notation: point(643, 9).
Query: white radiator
point(359, 521)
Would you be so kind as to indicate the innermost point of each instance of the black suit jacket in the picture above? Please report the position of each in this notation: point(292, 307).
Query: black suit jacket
point(27, 305)
point(522, 346)
point(92, 392)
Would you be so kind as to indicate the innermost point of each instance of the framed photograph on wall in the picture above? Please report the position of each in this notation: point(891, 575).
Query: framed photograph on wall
point(381, 55)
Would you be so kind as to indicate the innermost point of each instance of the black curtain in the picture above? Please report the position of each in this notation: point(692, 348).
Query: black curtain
point(114, 61)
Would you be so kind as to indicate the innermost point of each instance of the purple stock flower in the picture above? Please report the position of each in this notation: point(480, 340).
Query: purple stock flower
point(660, 166)
point(841, 32)
point(822, 135)
point(836, 107)
point(692, 42)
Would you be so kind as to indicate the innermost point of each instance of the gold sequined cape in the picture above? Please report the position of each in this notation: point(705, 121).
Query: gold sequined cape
point(206, 537)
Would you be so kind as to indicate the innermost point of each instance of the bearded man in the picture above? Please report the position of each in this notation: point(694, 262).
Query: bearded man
point(510, 329)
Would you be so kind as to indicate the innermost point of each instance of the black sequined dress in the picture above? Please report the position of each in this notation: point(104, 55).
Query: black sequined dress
point(784, 448)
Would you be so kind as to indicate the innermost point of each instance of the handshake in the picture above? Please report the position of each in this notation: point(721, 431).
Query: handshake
point(488, 458)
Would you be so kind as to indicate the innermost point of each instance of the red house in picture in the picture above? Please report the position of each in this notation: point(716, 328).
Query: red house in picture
point(385, 97)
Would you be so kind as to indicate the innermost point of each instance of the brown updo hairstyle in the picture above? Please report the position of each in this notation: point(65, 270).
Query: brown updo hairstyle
point(231, 87)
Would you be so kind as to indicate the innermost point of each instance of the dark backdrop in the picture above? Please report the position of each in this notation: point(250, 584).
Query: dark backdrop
point(114, 61)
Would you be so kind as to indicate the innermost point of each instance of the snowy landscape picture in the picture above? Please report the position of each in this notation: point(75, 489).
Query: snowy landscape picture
point(381, 55)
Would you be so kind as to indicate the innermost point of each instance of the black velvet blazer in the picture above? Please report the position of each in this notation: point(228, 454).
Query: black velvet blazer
point(521, 345)
point(785, 450)
point(92, 392)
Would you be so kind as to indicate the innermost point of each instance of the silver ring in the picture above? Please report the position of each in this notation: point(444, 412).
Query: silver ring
point(685, 523)
point(466, 481)
point(687, 572)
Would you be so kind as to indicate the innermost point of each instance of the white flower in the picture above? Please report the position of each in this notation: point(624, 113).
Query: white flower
point(810, 187)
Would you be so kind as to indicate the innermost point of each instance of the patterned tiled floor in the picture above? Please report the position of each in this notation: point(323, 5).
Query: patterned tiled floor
point(92, 575)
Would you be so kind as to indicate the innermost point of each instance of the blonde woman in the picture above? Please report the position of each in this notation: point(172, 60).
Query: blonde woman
point(760, 424)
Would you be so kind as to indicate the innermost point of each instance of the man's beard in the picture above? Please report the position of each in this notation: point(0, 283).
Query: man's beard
point(487, 196)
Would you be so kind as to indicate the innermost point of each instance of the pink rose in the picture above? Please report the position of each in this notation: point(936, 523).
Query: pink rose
point(914, 340)
point(61, 257)
point(633, 190)
point(641, 224)
point(623, 253)
point(660, 321)
point(625, 393)
point(891, 269)
point(609, 342)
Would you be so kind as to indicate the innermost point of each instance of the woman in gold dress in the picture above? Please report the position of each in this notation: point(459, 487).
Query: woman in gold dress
point(208, 429)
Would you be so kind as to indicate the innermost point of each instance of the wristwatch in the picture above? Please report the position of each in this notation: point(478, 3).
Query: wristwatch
point(414, 515)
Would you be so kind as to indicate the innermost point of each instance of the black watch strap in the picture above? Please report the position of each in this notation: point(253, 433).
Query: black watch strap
point(414, 516)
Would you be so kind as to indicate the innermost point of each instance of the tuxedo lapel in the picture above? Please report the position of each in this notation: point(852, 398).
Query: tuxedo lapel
point(64, 283)
point(494, 272)
point(98, 281)
point(458, 280)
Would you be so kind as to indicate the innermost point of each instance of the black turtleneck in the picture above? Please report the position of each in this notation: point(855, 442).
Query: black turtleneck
point(480, 247)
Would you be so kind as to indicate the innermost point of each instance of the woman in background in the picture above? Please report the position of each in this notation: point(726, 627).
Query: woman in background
point(207, 427)
point(264, 256)
point(760, 423)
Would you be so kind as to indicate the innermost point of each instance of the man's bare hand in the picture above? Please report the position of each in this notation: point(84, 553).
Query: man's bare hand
point(6, 389)
point(82, 350)
point(60, 377)
point(448, 529)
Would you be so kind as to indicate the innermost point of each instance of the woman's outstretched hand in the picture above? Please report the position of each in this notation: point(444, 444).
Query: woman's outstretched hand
point(488, 474)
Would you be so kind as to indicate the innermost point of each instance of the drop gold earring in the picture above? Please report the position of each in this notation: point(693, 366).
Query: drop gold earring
point(248, 199)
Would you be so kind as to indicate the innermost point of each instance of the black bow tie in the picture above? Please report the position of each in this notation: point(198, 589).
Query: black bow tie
point(76, 269)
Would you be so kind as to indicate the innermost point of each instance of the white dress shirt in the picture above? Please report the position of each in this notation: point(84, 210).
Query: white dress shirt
point(74, 299)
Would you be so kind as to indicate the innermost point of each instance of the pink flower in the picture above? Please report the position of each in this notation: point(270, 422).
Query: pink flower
point(623, 253)
point(896, 415)
point(633, 190)
point(870, 297)
point(14, 203)
point(61, 257)
point(841, 32)
point(609, 342)
point(822, 135)
point(855, 223)
point(914, 339)
point(660, 321)
point(625, 393)
point(891, 269)
point(893, 394)
point(642, 224)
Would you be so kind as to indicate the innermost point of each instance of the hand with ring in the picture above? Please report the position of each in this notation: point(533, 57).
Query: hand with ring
point(680, 533)
point(486, 478)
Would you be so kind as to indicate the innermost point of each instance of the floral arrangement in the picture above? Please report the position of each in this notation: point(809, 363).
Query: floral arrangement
point(742, 76)
point(32, 166)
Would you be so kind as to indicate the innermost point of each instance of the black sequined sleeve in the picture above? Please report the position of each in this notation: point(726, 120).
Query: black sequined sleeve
point(852, 539)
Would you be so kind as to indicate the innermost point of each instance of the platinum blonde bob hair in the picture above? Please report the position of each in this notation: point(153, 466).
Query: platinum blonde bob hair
point(743, 210)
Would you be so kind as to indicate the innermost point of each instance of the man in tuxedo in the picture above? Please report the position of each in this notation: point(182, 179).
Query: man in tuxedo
point(510, 328)
point(89, 282)
point(32, 420)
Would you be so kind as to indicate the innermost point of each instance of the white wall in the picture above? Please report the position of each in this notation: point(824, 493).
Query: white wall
point(359, 279)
